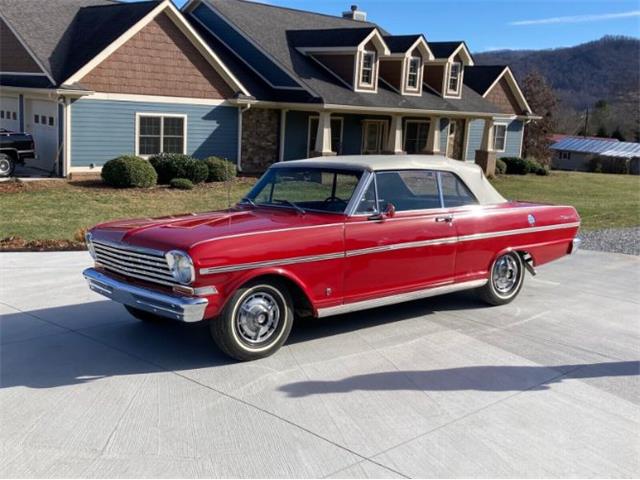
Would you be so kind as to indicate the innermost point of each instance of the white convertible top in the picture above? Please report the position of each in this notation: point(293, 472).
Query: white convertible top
point(470, 173)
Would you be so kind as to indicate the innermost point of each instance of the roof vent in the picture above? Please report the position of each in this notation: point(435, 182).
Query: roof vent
point(355, 14)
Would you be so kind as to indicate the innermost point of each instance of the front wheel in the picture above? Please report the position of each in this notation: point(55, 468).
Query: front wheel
point(505, 280)
point(7, 165)
point(255, 322)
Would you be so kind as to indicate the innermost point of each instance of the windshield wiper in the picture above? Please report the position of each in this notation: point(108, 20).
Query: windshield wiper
point(291, 204)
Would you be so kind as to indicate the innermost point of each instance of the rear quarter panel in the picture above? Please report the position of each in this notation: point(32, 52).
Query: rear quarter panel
point(485, 232)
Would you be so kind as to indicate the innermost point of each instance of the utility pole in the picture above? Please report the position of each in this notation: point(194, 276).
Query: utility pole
point(586, 123)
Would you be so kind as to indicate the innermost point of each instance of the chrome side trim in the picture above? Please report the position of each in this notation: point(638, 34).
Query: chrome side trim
point(402, 246)
point(399, 298)
point(184, 309)
point(517, 231)
point(383, 248)
point(271, 263)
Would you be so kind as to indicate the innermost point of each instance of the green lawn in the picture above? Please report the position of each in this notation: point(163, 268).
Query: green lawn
point(602, 200)
point(57, 210)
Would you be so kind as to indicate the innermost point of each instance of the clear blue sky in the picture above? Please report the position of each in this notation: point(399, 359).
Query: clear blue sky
point(493, 24)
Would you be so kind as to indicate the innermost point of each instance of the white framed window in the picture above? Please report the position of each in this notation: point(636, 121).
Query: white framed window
point(499, 137)
point(565, 155)
point(453, 83)
point(367, 68)
point(415, 135)
point(336, 134)
point(160, 133)
point(413, 73)
point(373, 134)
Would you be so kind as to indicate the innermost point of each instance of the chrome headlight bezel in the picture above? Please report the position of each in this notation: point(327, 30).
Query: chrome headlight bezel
point(181, 266)
point(88, 240)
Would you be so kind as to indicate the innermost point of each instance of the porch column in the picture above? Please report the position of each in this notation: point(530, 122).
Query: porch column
point(323, 136)
point(486, 156)
point(433, 138)
point(394, 142)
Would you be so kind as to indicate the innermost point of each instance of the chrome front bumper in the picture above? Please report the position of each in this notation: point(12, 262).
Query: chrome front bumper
point(184, 309)
point(575, 245)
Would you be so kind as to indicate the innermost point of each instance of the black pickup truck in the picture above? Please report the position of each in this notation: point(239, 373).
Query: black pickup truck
point(15, 148)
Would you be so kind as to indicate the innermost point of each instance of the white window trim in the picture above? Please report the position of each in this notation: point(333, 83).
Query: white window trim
point(317, 117)
point(156, 114)
point(406, 124)
point(361, 82)
point(385, 129)
point(506, 129)
point(408, 87)
point(449, 91)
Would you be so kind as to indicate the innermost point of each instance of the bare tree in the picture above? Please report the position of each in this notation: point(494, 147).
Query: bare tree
point(543, 102)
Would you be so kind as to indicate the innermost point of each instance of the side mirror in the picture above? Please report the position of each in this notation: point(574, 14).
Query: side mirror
point(389, 212)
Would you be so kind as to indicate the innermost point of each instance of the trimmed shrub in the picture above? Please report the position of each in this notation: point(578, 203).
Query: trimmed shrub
point(220, 170)
point(501, 167)
point(129, 171)
point(542, 171)
point(175, 165)
point(516, 165)
point(181, 184)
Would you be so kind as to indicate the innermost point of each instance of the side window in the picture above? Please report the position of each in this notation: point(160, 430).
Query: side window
point(368, 203)
point(408, 189)
point(454, 192)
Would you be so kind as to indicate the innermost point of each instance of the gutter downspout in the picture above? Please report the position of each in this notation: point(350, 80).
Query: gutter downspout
point(241, 110)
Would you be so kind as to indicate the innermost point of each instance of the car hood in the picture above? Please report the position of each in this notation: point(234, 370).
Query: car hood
point(183, 232)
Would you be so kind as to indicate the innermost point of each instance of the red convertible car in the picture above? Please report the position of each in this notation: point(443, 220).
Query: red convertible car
point(325, 237)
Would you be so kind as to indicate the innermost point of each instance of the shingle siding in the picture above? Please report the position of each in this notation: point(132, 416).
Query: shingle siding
point(258, 60)
point(104, 129)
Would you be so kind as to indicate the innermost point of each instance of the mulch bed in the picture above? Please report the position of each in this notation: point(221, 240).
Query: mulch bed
point(19, 244)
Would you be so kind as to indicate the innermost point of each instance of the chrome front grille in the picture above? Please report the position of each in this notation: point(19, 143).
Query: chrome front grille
point(136, 263)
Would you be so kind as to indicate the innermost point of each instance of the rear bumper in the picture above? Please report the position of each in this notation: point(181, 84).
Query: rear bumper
point(184, 309)
point(575, 245)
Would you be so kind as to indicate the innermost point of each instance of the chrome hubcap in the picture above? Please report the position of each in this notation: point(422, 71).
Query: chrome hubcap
point(505, 274)
point(258, 317)
point(4, 165)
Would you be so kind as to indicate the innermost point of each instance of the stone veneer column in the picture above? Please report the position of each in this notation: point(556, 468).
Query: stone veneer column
point(486, 156)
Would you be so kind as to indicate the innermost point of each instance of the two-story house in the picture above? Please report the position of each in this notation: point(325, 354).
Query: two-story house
point(251, 82)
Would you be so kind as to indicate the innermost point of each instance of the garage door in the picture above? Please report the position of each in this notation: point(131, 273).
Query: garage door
point(9, 113)
point(41, 120)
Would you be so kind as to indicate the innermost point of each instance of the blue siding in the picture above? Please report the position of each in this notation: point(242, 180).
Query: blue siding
point(243, 47)
point(297, 125)
point(513, 141)
point(474, 139)
point(104, 129)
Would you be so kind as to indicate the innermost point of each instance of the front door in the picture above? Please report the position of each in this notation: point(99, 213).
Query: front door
point(455, 140)
point(373, 135)
point(412, 250)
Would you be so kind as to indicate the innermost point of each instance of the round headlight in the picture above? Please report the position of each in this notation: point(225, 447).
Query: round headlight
point(181, 266)
point(89, 243)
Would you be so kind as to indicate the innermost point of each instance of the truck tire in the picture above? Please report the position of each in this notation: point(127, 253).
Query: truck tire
point(255, 322)
point(7, 165)
point(505, 280)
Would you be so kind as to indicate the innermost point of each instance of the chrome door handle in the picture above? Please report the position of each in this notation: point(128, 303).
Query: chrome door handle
point(446, 218)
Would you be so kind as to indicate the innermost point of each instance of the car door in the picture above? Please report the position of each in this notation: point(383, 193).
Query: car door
point(409, 250)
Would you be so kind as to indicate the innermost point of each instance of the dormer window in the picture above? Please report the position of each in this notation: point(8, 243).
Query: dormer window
point(453, 85)
point(413, 74)
point(366, 72)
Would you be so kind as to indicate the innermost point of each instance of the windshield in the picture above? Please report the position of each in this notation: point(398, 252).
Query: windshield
point(304, 188)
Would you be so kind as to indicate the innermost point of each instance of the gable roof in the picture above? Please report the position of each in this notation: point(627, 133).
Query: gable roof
point(70, 36)
point(446, 50)
point(329, 37)
point(400, 43)
point(481, 77)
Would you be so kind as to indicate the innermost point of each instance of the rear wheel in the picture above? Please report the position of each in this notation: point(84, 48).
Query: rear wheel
point(7, 165)
point(144, 315)
point(255, 322)
point(505, 280)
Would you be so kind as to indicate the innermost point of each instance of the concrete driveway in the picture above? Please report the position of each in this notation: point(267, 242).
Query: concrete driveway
point(548, 386)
